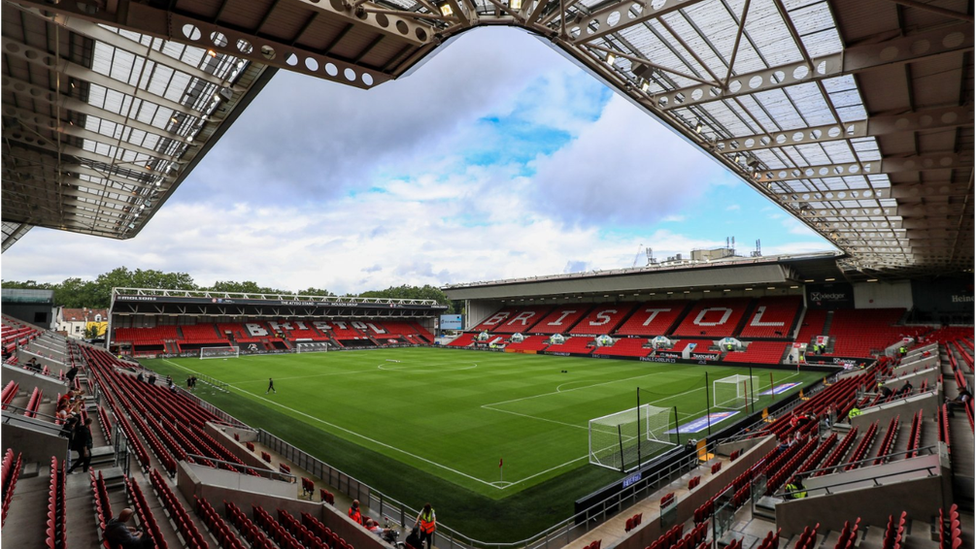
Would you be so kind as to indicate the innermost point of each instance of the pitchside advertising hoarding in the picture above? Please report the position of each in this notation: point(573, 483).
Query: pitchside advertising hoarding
point(830, 296)
point(452, 322)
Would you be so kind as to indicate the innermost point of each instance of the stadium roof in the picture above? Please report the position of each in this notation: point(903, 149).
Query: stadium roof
point(855, 116)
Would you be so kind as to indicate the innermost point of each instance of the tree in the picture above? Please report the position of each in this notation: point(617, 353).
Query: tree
point(413, 292)
point(246, 287)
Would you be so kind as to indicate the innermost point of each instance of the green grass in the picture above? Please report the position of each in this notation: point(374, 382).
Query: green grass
point(433, 426)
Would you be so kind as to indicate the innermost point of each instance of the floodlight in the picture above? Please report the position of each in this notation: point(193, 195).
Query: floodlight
point(446, 10)
point(515, 4)
point(611, 58)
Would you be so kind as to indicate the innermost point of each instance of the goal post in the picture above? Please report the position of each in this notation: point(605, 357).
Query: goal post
point(620, 440)
point(227, 351)
point(735, 392)
point(312, 347)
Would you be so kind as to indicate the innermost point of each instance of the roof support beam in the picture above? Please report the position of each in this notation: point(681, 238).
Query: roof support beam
point(101, 34)
point(926, 119)
point(37, 93)
point(906, 49)
point(243, 44)
point(928, 190)
point(63, 66)
point(919, 163)
point(934, 9)
point(598, 24)
point(41, 122)
point(18, 136)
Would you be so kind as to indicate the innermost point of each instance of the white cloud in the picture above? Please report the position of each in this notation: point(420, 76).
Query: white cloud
point(624, 169)
point(733, 208)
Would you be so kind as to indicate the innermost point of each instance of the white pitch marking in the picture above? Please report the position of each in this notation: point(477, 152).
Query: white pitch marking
point(383, 444)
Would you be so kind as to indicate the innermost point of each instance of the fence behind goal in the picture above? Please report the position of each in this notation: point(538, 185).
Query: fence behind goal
point(622, 440)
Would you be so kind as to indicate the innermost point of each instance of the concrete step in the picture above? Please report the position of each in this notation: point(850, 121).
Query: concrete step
point(28, 511)
point(81, 524)
point(102, 455)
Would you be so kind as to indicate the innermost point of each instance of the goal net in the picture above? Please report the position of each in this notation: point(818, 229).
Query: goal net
point(312, 347)
point(226, 351)
point(620, 441)
point(735, 392)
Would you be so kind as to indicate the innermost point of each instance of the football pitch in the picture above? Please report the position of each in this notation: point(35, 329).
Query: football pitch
point(457, 415)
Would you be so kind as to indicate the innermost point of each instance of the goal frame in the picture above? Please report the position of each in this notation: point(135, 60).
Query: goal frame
point(615, 440)
point(746, 392)
point(233, 351)
point(314, 347)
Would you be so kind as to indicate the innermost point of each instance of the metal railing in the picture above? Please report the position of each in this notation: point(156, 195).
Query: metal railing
point(20, 410)
point(224, 416)
point(924, 450)
point(260, 471)
point(17, 417)
point(389, 509)
point(932, 470)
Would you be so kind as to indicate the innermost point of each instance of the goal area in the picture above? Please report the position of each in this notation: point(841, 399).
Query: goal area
point(227, 351)
point(735, 392)
point(620, 441)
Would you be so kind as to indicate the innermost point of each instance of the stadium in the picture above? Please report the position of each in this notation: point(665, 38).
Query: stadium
point(810, 399)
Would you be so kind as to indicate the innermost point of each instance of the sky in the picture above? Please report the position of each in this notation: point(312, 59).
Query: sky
point(498, 158)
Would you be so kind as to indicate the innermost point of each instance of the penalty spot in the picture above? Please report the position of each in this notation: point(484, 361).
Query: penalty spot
point(391, 360)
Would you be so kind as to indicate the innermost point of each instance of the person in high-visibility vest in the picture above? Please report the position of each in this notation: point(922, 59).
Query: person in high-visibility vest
point(855, 411)
point(427, 520)
point(354, 512)
point(796, 489)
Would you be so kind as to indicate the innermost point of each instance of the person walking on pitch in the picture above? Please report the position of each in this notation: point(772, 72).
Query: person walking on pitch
point(271, 388)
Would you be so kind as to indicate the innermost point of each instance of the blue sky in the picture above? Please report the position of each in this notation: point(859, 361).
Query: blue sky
point(481, 165)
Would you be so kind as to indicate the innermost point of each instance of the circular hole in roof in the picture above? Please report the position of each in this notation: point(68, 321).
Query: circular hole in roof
point(735, 86)
point(697, 94)
point(854, 168)
point(801, 72)
point(777, 77)
point(766, 140)
point(613, 19)
point(367, 79)
point(402, 28)
point(815, 134)
point(421, 34)
point(953, 39)
point(592, 26)
point(833, 132)
point(382, 20)
point(750, 142)
point(192, 32)
point(218, 39)
point(781, 138)
point(30, 54)
point(311, 63)
point(658, 4)
point(755, 82)
point(291, 59)
point(331, 69)
point(823, 171)
point(714, 92)
point(244, 46)
point(663, 102)
point(798, 136)
point(574, 32)
point(350, 75)
point(842, 194)
point(822, 67)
